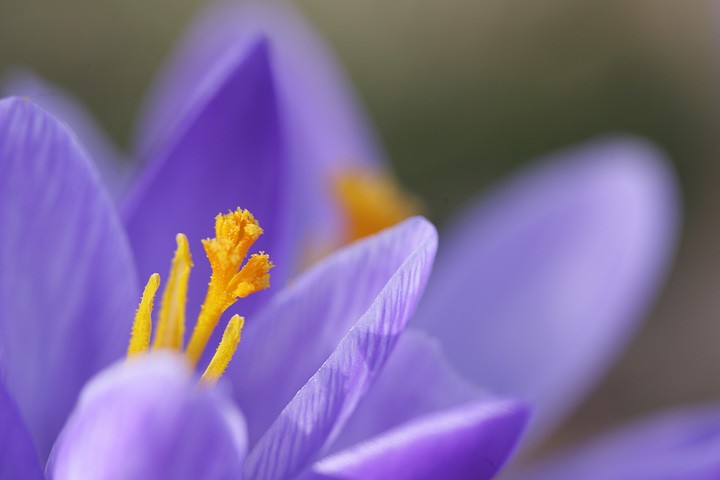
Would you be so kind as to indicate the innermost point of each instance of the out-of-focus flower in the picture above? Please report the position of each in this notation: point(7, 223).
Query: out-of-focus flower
point(536, 289)
point(68, 286)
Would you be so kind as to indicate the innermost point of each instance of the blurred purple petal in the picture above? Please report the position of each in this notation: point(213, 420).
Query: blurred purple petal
point(675, 445)
point(113, 168)
point(313, 90)
point(322, 406)
point(18, 458)
point(538, 287)
point(225, 155)
point(324, 127)
point(416, 380)
point(468, 442)
point(146, 418)
point(67, 283)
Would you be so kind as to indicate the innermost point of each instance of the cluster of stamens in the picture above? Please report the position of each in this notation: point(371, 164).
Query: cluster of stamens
point(235, 233)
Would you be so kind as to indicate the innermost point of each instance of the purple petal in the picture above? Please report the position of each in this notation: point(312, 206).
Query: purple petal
point(307, 320)
point(313, 90)
point(18, 458)
point(227, 154)
point(324, 126)
point(539, 286)
point(67, 282)
point(468, 442)
point(378, 281)
point(146, 418)
point(417, 380)
point(113, 168)
point(675, 445)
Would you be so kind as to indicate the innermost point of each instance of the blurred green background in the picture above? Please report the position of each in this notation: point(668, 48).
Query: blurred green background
point(462, 92)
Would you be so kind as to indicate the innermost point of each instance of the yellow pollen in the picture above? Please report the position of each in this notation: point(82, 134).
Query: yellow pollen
point(142, 326)
point(170, 327)
point(371, 201)
point(225, 351)
point(235, 233)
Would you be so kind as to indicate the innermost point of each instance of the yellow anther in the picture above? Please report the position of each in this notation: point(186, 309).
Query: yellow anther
point(235, 232)
point(253, 277)
point(225, 351)
point(142, 326)
point(170, 327)
point(371, 202)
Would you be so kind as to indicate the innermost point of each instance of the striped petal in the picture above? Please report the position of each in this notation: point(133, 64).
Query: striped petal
point(67, 281)
point(469, 442)
point(334, 353)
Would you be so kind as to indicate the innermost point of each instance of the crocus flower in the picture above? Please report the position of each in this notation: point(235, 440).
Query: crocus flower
point(309, 355)
point(538, 285)
point(68, 282)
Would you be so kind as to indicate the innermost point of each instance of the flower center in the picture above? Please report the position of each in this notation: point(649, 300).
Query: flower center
point(371, 201)
point(235, 233)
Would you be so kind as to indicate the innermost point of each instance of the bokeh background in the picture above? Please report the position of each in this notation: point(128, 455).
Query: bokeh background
point(462, 92)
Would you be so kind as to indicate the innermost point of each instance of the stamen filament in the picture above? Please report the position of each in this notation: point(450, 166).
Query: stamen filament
point(142, 325)
point(210, 313)
point(225, 351)
point(170, 327)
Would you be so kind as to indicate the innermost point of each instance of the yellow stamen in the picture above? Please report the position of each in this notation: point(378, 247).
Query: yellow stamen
point(235, 232)
point(170, 327)
point(142, 326)
point(371, 202)
point(225, 351)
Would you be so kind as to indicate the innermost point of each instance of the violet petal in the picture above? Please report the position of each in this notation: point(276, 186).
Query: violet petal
point(468, 442)
point(349, 279)
point(676, 445)
point(67, 281)
point(114, 169)
point(18, 458)
point(146, 418)
point(539, 286)
point(226, 154)
point(416, 380)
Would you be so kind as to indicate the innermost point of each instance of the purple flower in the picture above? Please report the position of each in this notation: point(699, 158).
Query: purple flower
point(537, 286)
point(536, 289)
point(309, 356)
